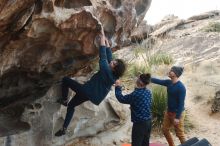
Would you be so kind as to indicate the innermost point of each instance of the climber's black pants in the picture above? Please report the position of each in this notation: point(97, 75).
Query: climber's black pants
point(141, 133)
point(78, 99)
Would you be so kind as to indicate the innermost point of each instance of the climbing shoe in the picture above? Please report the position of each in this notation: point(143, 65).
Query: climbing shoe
point(60, 132)
point(63, 101)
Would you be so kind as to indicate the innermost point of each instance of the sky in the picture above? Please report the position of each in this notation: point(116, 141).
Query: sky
point(181, 8)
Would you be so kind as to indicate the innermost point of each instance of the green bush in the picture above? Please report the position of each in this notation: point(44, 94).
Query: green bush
point(159, 105)
point(188, 125)
point(212, 27)
point(152, 58)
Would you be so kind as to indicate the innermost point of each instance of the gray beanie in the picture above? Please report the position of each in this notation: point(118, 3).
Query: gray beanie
point(177, 70)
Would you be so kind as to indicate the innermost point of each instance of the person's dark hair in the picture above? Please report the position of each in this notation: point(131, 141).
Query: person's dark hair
point(145, 78)
point(119, 68)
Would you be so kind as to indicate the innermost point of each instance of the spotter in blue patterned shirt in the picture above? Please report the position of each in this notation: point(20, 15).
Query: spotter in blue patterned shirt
point(140, 101)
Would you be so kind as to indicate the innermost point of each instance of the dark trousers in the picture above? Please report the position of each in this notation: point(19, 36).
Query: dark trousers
point(78, 99)
point(141, 133)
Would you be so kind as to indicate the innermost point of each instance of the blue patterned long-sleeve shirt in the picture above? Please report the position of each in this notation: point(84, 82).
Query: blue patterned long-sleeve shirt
point(140, 101)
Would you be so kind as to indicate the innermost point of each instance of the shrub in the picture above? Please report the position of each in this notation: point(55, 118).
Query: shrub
point(188, 125)
point(152, 58)
point(212, 27)
point(159, 105)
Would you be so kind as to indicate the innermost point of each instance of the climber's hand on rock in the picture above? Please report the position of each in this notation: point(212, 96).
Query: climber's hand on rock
point(117, 83)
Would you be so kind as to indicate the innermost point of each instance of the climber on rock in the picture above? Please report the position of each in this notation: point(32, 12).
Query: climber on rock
point(96, 89)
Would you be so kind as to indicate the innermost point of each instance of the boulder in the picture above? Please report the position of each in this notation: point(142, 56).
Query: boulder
point(43, 40)
point(205, 15)
point(166, 27)
point(36, 123)
point(141, 32)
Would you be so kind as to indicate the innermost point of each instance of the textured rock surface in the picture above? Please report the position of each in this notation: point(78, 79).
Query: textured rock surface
point(45, 117)
point(166, 27)
point(141, 32)
point(196, 45)
point(43, 40)
point(206, 15)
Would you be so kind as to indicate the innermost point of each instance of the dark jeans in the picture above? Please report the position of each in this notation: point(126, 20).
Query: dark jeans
point(78, 99)
point(141, 133)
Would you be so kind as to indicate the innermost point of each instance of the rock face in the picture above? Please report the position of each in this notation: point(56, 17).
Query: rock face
point(206, 15)
point(141, 32)
point(45, 117)
point(163, 30)
point(187, 35)
point(43, 40)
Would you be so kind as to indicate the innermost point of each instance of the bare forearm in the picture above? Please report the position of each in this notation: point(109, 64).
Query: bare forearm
point(102, 37)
